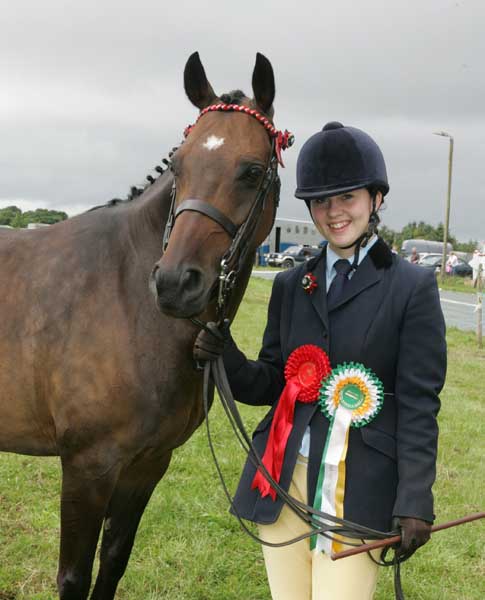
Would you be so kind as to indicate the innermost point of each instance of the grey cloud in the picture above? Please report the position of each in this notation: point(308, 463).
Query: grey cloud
point(92, 93)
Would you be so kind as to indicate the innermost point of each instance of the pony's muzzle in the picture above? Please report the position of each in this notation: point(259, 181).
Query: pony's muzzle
point(181, 292)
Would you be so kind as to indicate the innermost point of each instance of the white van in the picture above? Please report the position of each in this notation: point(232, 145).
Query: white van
point(423, 247)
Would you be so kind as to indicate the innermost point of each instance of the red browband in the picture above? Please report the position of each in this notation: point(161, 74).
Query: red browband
point(282, 140)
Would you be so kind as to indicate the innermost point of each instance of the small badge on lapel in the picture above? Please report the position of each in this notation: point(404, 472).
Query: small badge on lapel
point(309, 283)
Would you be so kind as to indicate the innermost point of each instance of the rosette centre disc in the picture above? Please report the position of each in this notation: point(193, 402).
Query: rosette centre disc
point(307, 373)
point(351, 396)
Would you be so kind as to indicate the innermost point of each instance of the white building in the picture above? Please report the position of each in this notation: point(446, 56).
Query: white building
point(291, 232)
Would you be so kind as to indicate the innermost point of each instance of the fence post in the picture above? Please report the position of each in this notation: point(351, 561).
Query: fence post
point(479, 307)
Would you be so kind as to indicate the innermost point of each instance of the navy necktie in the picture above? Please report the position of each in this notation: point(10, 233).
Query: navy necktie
point(338, 285)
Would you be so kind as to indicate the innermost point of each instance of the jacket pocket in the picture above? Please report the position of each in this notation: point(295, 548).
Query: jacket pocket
point(379, 440)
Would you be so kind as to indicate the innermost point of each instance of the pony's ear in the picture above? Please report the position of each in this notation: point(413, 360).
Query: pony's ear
point(199, 91)
point(263, 83)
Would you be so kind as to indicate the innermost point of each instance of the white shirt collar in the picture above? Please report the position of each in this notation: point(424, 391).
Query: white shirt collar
point(333, 257)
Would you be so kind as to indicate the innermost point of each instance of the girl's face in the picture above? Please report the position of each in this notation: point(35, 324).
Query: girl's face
point(341, 219)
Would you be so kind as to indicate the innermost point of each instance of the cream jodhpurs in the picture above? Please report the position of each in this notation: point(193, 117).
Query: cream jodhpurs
point(296, 573)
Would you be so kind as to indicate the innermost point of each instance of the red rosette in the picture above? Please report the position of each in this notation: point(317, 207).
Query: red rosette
point(305, 369)
point(309, 365)
point(309, 283)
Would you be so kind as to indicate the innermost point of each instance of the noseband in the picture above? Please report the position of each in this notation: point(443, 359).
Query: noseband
point(241, 235)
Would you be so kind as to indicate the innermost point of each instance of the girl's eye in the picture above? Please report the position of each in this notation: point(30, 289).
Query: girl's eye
point(321, 201)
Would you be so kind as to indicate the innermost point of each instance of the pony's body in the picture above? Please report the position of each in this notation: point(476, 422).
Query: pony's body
point(85, 348)
point(95, 360)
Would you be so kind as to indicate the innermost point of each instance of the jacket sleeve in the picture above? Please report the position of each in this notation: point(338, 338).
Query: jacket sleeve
point(261, 381)
point(420, 376)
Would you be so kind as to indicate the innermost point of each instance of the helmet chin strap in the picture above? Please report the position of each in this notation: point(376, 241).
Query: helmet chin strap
point(362, 240)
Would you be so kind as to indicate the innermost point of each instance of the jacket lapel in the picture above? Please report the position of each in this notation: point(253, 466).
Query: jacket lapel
point(308, 318)
point(319, 296)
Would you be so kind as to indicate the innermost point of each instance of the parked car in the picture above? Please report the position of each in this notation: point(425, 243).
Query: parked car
point(292, 256)
point(434, 261)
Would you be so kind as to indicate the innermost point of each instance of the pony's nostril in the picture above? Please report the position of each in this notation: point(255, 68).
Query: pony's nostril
point(191, 280)
point(159, 280)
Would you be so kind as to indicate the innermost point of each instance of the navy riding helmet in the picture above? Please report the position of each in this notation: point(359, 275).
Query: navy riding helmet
point(339, 159)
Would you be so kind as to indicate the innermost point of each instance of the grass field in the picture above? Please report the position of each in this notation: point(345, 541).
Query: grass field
point(190, 548)
point(457, 284)
point(451, 283)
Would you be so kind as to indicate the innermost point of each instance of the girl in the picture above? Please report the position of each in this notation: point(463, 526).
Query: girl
point(360, 303)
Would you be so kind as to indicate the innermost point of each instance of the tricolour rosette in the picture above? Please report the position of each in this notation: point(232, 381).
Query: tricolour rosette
point(351, 396)
point(305, 369)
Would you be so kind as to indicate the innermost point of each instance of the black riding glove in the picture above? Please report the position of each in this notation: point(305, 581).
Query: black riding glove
point(414, 533)
point(210, 342)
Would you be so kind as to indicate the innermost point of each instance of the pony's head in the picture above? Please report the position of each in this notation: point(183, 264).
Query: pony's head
point(225, 191)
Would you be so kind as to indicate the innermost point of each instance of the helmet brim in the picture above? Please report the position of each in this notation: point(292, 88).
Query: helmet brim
point(310, 194)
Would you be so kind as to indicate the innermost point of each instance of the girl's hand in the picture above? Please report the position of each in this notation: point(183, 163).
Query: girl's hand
point(414, 533)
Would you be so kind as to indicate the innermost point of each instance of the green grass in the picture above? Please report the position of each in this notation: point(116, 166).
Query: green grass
point(456, 284)
point(267, 268)
point(450, 283)
point(189, 547)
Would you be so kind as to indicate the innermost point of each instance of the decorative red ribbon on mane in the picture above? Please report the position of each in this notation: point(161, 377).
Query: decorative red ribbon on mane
point(282, 140)
point(305, 369)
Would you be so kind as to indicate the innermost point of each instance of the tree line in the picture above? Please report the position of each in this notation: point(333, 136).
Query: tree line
point(423, 231)
point(14, 217)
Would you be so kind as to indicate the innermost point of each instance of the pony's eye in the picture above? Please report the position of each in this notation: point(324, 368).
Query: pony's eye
point(252, 173)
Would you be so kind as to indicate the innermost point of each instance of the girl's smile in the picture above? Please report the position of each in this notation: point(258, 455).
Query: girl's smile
point(343, 218)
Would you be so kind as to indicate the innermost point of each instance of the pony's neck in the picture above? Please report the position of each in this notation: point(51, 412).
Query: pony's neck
point(150, 210)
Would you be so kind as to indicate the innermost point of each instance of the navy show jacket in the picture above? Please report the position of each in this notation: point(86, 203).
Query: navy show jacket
point(390, 320)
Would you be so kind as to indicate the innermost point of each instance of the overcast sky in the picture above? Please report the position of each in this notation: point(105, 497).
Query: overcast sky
point(91, 94)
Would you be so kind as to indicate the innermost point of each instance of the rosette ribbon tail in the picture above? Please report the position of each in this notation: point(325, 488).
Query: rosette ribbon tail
point(350, 397)
point(279, 433)
point(329, 497)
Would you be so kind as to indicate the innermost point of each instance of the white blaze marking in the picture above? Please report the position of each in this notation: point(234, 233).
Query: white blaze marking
point(213, 142)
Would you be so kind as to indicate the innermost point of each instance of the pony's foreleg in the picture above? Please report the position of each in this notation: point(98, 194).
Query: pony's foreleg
point(84, 502)
point(130, 497)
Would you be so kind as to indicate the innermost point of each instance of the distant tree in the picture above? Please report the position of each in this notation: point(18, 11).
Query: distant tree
point(423, 231)
point(420, 231)
point(13, 216)
point(387, 234)
point(469, 246)
point(43, 215)
point(17, 221)
point(8, 214)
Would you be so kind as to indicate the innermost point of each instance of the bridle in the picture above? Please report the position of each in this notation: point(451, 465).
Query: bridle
point(241, 235)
